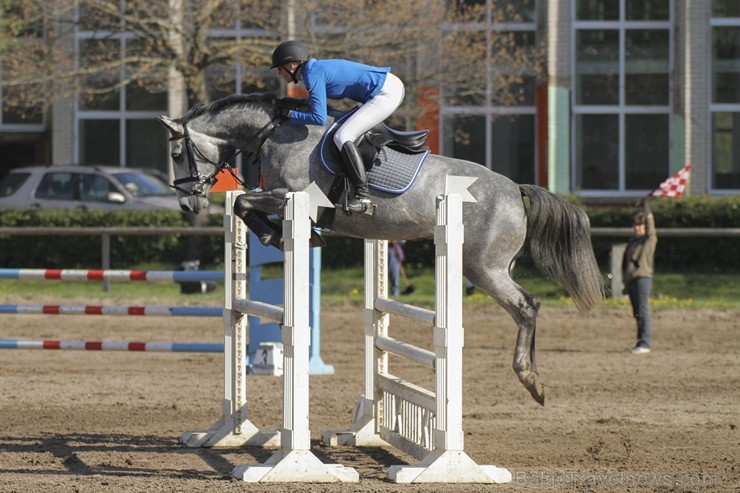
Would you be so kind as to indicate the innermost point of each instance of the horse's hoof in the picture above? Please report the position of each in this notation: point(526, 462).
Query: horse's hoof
point(272, 240)
point(316, 241)
point(535, 388)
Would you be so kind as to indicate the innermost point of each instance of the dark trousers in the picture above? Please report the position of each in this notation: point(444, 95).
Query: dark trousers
point(639, 291)
point(394, 271)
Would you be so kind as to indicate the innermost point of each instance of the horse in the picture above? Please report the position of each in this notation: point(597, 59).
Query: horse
point(496, 226)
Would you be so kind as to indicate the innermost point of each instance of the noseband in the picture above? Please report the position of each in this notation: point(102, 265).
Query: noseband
point(201, 184)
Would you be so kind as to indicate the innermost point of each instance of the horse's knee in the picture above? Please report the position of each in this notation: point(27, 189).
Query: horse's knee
point(536, 303)
point(242, 207)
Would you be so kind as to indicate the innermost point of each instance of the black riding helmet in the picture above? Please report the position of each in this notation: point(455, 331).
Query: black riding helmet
point(287, 52)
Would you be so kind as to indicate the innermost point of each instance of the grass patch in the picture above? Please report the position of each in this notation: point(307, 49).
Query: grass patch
point(340, 286)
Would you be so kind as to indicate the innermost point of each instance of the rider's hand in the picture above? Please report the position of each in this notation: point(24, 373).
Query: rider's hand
point(283, 109)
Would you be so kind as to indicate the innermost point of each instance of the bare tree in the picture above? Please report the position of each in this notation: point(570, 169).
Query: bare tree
point(189, 48)
point(431, 44)
point(115, 48)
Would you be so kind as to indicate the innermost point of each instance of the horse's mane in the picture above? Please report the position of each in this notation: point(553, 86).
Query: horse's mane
point(235, 101)
point(240, 101)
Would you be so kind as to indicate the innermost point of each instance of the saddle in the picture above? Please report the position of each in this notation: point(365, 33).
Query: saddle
point(407, 142)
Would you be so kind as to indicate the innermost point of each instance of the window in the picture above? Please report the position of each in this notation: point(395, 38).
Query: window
point(142, 185)
point(100, 142)
point(29, 116)
point(104, 54)
point(512, 152)
point(143, 144)
point(57, 186)
point(488, 115)
point(597, 152)
point(12, 182)
point(622, 95)
point(462, 135)
point(118, 127)
point(95, 188)
point(725, 97)
point(725, 8)
point(23, 25)
point(597, 10)
point(725, 150)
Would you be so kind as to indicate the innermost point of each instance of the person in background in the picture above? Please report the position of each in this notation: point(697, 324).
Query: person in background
point(395, 258)
point(637, 275)
point(378, 91)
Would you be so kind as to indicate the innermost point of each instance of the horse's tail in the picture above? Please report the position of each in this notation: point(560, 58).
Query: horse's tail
point(560, 241)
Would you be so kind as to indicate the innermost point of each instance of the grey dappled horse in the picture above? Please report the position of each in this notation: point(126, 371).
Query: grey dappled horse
point(496, 226)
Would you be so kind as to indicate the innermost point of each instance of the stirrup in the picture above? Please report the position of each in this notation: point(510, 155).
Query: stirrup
point(363, 205)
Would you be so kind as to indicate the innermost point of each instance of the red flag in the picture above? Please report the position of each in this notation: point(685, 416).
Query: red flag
point(673, 186)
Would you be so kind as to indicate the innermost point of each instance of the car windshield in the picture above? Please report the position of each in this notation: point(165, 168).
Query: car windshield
point(141, 184)
point(11, 183)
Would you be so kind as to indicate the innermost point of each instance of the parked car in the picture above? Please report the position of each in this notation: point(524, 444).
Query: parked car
point(86, 187)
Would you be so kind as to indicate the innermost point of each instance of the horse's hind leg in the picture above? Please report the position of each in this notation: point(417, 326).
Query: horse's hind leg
point(522, 307)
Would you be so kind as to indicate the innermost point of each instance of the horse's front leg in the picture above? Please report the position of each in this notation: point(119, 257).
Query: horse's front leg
point(254, 208)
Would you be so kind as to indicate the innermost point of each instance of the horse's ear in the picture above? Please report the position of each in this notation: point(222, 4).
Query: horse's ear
point(171, 125)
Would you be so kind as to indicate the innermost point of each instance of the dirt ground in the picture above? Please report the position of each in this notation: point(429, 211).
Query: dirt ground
point(75, 421)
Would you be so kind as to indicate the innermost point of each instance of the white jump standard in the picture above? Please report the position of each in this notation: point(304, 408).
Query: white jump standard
point(233, 428)
point(426, 425)
point(293, 461)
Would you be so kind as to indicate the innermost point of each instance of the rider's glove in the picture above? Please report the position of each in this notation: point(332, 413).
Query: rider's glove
point(283, 108)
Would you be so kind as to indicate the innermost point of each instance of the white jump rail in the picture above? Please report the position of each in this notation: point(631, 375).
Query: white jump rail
point(427, 425)
point(293, 461)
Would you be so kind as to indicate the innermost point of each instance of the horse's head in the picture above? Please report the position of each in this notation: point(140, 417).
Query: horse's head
point(200, 152)
point(195, 158)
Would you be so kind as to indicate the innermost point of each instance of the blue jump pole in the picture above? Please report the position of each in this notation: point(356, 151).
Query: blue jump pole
point(271, 291)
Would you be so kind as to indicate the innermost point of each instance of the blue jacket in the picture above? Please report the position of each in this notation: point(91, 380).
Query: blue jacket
point(336, 79)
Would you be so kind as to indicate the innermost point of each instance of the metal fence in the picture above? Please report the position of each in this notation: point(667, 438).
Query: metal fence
point(106, 233)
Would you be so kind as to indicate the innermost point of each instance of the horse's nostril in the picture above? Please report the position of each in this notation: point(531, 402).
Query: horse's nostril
point(185, 208)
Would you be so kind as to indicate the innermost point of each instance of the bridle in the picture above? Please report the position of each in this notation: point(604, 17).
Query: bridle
point(201, 183)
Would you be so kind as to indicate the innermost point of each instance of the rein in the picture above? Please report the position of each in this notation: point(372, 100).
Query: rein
point(203, 183)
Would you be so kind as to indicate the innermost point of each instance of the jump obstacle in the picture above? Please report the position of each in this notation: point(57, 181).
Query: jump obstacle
point(422, 423)
point(425, 424)
point(159, 347)
point(158, 311)
point(293, 461)
point(111, 275)
point(260, 361)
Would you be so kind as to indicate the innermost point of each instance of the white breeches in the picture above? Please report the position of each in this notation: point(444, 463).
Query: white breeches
point(372, 112)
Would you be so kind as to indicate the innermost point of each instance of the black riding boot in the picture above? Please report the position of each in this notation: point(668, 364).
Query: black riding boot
point(355, 169)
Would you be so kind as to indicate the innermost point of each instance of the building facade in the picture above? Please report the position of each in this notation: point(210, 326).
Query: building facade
point(632, 91)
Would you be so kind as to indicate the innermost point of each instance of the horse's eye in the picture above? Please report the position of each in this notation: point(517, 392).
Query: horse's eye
point(176, 151)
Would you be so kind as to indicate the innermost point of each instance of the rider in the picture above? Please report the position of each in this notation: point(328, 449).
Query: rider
point(378, 91)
